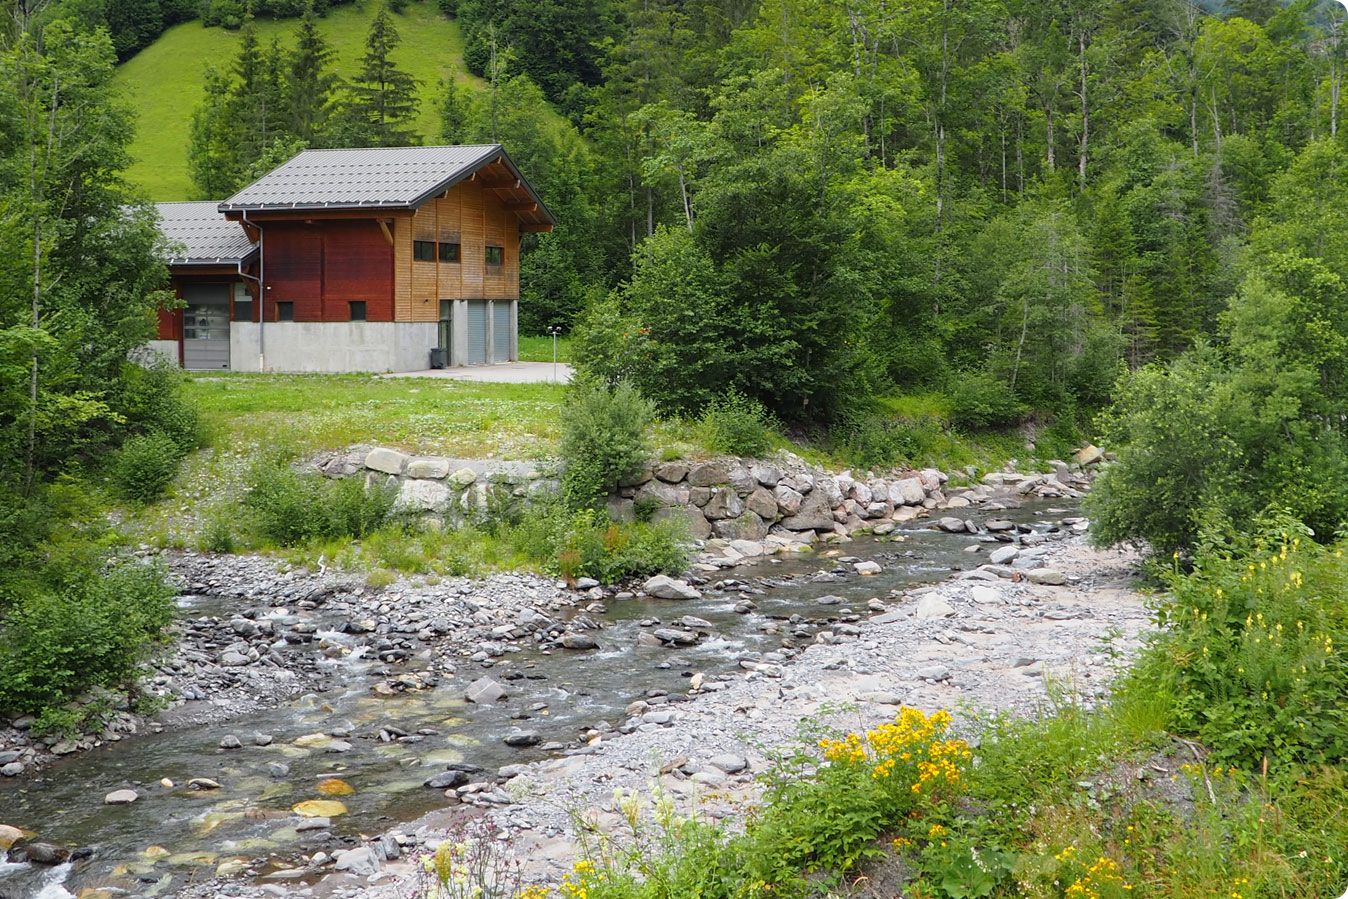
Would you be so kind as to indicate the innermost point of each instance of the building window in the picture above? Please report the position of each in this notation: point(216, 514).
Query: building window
point(285, 312)
point(423, 250)
point(495, 255)
point(357, 310)
point(243, 303)
point(449, 252)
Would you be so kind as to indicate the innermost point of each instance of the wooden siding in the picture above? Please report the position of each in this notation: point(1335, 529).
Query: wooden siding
point(324, 265)
point(170, 324)
point(472, 217)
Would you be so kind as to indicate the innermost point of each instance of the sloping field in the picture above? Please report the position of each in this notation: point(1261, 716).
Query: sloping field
point(165, 80)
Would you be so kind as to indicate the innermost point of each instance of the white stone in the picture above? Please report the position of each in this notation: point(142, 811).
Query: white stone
point(907, 492)
point(423, 496)
point(1046, 576)
point(386, 460)
point(462, 478)
point(121, 797)
point(868, 568)
point(664, 587)
point(1003, 554)
point(428, 467)
point(933, 606)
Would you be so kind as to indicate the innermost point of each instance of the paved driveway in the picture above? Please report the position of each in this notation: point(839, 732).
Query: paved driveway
point(505, 373)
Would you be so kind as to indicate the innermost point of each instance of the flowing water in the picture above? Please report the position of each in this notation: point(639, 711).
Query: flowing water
point(557, 695)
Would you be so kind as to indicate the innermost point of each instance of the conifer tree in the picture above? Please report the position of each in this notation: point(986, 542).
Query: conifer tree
point(382, 100)
point(310, 84)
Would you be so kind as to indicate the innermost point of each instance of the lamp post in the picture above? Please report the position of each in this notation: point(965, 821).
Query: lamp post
point(554, 330)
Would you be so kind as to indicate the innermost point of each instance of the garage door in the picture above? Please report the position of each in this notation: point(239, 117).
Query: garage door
point(477, 332)
point(500, 332)
point(206, 327)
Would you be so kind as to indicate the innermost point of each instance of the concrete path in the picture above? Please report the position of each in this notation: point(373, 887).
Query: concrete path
point(504, 373)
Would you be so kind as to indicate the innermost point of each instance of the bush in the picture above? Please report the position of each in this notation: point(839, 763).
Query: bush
point(871, 439)
point(145, 466)
point(592, 546)
point(152, 401)
point(93, 628)
point(290, 508)
point(603, 440)
point(1251, 652)
point(737, 425)
point(979, 400)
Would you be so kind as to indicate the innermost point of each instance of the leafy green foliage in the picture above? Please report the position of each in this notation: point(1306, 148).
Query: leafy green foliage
point(289, 507)
point(979, 400)
point(145, 466)
point(88, 626)
point(604, 439)
point(737, 425)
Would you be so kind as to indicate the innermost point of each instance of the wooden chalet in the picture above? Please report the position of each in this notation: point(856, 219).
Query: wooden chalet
point(355, 260)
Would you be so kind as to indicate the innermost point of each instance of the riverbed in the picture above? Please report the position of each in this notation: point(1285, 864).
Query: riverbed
point(774, 643)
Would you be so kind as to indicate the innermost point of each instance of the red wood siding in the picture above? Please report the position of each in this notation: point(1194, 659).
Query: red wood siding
point(357, 265)
point(323, 266)
point(170, 324)
point(294, 260)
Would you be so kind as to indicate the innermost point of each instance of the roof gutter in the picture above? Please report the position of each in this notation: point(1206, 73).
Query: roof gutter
point(261, 292)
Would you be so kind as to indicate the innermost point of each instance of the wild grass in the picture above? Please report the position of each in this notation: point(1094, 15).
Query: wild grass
point(535, 348)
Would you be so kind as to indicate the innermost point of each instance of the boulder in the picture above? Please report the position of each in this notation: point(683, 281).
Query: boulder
point(485, 691)
point(762, 503)
point(674, 636)
point(746, 527)
point(1003, 554)
point(767, 475)
point(462, 478)
point(636, 478)
point(698, 528)
point(907, 492)
point(360, 861)
point(708, 475)
point(724, 503)
point(46, 853)
point(729, 763)
point(934, 672)
point(386, 460)
point(868, 568)
point(742, 480)
point(1050, 577)
point(661, 494)
point(121, 797)
point(433, 467)
point(423, 496)
point(933, 606)
point(522, 738)
point(672, 472)
point(951, 525)
point(664, 587)
point(579, 641)
point(447, 780)
point(815, 513)
point(788, 499)
point(229, 741)
point(1090, 455)
point(9, 835)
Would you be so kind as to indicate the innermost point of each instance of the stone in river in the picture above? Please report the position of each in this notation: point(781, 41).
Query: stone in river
point(333, 786)
point(121, 797)
point(579, 641)
point(447, 779)
point(46, 853)
point(319, 808)
point(485, 691)
point(360, 861)
point(523, 738)
point(866, 569)
point(9, 835)
point(665, 587)
point(229, 741)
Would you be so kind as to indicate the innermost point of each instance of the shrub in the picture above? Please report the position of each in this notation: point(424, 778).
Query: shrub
point(871, 439)
point(979, 400)
point(145, 466)
point(290, 507)
point(92, 628)
point(217, 535)
point(737, 425)
point(358, 510)
point(592, 546)
point(152, 401)
point(603, 439)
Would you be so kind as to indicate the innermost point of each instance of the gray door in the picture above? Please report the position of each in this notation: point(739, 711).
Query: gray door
point(477, 332)
point(500, 332)
point(206, 327)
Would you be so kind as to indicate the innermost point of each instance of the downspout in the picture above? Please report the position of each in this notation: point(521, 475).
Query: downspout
point(261, 292)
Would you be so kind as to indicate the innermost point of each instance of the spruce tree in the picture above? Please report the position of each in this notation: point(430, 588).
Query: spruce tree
point(382, 98)
point(310, 84)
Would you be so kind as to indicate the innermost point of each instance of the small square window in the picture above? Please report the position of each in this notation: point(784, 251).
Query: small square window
point(357, 310)
point(495, 255)
point(243, 309)
point(423, 250)
point(285, 312)
point(449, 252)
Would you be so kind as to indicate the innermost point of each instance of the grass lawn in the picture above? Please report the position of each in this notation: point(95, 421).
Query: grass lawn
point(164, 82)
point(320, 412)
point(539, 349)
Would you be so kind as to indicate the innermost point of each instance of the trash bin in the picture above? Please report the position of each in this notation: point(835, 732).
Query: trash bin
point(437, 357)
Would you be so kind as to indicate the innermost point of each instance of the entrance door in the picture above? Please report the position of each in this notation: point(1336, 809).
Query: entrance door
point(500, 331)
point(477, 332)
point(206, 327)
point(445, 331)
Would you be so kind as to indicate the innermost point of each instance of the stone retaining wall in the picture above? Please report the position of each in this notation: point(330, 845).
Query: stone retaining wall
point(779, 504)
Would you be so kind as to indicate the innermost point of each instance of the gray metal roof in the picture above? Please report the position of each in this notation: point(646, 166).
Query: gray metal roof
point(207, 236)
point(370, 178)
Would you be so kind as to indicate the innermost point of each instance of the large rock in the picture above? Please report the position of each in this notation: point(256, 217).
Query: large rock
point(664, 587)
point(708, 475)
point(674, 636)
point(423, 496)
point(428, 467)
point(447, 779)
point(1050, 577)
point(360, 861)
point(933, 606)
point(386, 460)
point(46, 853)
point(672, 472)
point(767, 475)
point(907, 492)
point(659, 493)
point(636, 477)
point(832, 489)
point(724, 503)
point(788, 500)
point(951, 525)
point(762, 503)
point(9, 835)
point(121, 797)
point(729, 763)
point(1090, 455)
point(816, 513)
point(742, 480)
point(579, 641)
point(485, 691)
point(747, 527)
point(462, 478)
point(1003, 554)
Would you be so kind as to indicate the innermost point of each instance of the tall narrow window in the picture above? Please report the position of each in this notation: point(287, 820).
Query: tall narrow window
point(357, 310)
point(495, 255)
point(423, 250)
point(449, 252)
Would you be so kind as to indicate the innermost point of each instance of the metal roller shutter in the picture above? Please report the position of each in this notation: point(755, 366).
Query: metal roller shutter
point(477, 332)
point(206, 327)
point(500, 331)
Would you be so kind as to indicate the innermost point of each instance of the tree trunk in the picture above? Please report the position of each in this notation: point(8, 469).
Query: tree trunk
point(1085, 112)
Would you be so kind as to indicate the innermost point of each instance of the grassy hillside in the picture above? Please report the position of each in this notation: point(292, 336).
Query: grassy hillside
point(164, 81)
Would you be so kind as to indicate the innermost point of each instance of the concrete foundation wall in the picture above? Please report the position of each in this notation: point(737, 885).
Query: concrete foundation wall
point(166, 348)
point(332, 346)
